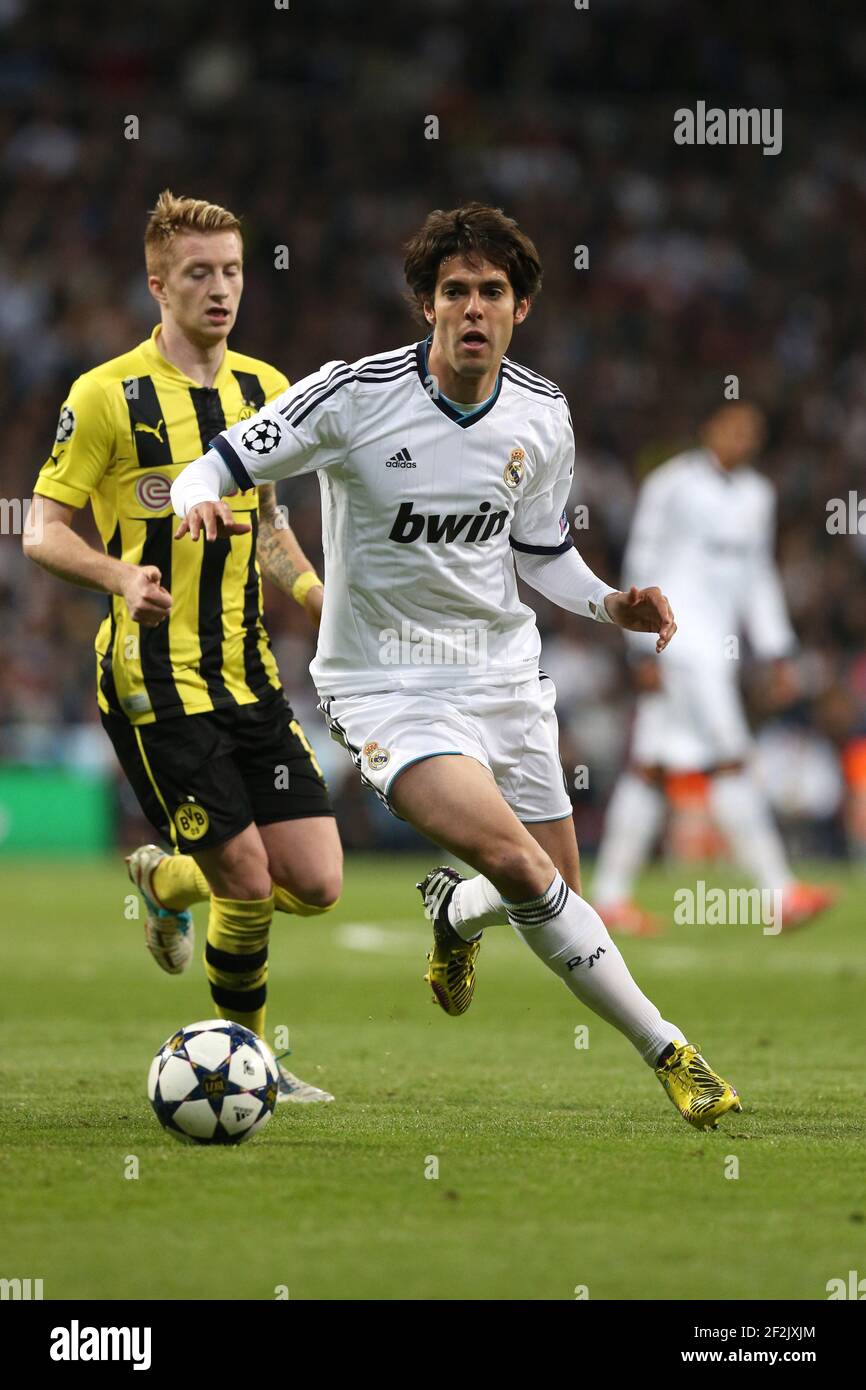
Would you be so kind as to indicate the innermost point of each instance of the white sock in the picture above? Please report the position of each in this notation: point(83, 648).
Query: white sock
point(634, 818)
point(475, 904)
point(741, 810)
point(570, 937)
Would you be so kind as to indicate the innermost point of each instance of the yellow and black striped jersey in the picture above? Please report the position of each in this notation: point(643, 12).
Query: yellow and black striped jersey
point(126, 430)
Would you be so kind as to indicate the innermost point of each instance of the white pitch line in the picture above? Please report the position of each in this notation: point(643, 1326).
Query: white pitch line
point(397, 939)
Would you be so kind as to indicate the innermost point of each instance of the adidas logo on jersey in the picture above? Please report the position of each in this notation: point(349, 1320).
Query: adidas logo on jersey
point(411, 526)
point(402, 459)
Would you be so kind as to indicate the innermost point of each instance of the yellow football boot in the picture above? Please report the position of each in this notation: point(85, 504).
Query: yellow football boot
point(451, 972)
point(700, 1095)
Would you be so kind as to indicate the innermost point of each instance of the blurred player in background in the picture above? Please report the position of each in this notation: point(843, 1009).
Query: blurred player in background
point(704, 528)
point(445, 468)
point(188, 687)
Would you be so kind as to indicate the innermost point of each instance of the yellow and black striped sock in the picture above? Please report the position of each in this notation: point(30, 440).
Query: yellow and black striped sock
point(284, 901)
point(178, 882)
point(236, 958)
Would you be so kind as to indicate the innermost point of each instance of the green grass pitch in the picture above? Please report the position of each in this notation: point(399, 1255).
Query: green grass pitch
point(558, 1166)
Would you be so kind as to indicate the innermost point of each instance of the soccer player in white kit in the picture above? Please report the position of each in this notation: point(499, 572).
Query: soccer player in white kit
point(704, 527)
point(444, 469)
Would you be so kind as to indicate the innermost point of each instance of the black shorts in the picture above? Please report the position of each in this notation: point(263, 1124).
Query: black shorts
point(203, 778)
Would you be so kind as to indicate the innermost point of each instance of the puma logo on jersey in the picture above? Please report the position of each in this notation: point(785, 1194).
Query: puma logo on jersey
point(148, 429)
point(411, 526)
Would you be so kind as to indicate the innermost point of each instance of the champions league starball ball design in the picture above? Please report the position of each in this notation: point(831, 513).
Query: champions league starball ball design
point(213, 1083)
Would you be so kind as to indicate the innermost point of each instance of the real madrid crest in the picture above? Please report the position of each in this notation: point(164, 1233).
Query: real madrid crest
point(376, 757)
point(513, 474)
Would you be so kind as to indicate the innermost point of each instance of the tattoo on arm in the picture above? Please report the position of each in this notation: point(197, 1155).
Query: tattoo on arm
point(268, 503)
point(277, 550)
point(274, 560)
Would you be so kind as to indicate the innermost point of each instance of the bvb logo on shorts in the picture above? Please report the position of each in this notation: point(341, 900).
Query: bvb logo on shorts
point(513, 475)
point(192, 820)
point(376, 756)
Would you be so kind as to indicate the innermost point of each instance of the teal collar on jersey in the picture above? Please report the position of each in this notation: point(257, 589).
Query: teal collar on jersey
point(463, 418)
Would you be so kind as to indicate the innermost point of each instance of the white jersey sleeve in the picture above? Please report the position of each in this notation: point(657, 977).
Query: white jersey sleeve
point(765, 615)
point(306, 428)
point(544, 553)
point(540, 522)
point(567, 581)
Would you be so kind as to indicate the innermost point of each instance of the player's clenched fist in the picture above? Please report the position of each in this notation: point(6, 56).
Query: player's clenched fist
point(215, 519)
point(148, 602)
point(643, 610)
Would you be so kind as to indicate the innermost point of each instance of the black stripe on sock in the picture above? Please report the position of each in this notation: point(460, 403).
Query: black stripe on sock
point(544, 912)
point(238, 1001)
point(536, 905)
point(233, 964)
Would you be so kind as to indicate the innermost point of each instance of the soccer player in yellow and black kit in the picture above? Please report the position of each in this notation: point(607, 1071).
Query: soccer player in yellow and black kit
point(187, 684)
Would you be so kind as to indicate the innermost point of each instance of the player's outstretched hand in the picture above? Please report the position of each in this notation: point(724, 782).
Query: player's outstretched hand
point(215, 520)
point(148, 602)
point(643, 610)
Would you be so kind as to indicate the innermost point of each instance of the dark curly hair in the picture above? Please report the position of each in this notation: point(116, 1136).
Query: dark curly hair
point(477, 232)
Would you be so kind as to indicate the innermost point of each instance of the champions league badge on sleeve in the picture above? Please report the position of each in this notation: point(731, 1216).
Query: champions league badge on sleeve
point(65, 425)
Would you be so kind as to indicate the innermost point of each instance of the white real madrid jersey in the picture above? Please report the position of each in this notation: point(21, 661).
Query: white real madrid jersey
point(421, 509)
point(706, 535)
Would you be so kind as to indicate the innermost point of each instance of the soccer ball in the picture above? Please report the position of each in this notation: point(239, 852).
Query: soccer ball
point(262, 438)
point(213, 1083)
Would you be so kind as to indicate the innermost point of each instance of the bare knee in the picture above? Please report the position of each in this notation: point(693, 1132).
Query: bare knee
point(316, 879)
point(324, 892)
point(519, 869)
point(319, 891)
point(239, 872)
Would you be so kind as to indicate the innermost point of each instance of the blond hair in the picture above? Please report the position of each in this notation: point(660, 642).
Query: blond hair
point(173, 215)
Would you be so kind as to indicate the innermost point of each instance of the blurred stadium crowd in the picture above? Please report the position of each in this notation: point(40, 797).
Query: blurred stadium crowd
point(310, 122)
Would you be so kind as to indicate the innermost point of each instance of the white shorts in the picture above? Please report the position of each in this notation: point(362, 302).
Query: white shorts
point(510, 729)
point(695, 721)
